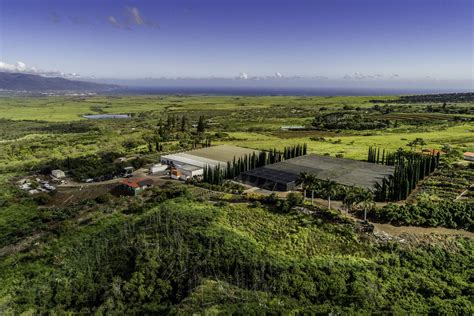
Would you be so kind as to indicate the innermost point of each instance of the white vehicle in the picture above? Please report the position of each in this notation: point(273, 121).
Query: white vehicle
point(50, 187)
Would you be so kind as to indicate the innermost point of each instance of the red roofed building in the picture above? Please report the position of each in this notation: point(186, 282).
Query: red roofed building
point(134, 186)
point(469, 156)
point(431, 151)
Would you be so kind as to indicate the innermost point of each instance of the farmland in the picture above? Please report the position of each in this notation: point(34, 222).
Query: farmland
point(199, 247)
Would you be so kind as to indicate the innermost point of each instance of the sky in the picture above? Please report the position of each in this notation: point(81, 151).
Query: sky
point(391, 41)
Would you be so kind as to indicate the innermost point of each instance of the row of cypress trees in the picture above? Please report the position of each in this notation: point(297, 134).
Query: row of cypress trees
point(410, 167)
point(218, 174)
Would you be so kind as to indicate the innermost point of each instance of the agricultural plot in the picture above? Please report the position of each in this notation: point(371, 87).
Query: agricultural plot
point(448, 184)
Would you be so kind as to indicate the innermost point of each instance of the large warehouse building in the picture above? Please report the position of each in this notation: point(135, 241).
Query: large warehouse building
point(209, 156)
point(283, 176)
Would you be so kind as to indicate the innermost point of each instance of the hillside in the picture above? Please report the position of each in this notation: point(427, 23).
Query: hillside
point(182, 248)
point(183, 256)
point(28, 82)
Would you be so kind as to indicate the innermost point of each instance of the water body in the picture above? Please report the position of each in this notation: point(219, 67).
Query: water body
point(106, 116)
point(273, 91)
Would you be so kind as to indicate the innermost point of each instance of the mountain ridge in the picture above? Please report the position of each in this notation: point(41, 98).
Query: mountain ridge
point(14, 81)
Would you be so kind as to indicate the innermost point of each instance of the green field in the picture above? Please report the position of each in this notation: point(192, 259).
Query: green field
point(56, 109)
point(252, 122)
point(177, 250)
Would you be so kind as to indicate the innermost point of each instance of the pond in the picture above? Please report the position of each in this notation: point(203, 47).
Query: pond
point(107, 116)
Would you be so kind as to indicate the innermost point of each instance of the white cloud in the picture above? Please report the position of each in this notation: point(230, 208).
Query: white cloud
point(131, 17)
point(243, 76)
point(21, 67)
point(278, 75)
point(17, 67)
point(134, 14)
point(112, 20)
point(361, 76)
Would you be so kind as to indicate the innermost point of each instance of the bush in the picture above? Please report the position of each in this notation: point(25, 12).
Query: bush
point(169, 191)
point(347, 121)
point(104, 198)
point(42, 198)
point(221, 135)
point(446, 213)
point(294, 199)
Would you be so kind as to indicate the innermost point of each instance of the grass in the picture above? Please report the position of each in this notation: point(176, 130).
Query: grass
point(57, 109)
point(252, 122)
point(355, 146)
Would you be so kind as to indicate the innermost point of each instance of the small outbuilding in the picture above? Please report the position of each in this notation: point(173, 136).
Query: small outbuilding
point(58, 174)
point(134, 187)
point(469, 156)
point(184, 172)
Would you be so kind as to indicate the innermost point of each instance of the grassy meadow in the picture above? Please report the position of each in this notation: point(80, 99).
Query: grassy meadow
point(31, 126)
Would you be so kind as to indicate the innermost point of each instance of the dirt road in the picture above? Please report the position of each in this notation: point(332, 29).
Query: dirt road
point(398, 230)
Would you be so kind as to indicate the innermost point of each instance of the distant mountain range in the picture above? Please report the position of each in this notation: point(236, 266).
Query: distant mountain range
point(35, 83)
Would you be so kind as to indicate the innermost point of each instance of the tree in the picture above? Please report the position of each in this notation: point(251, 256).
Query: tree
point(184, 123)
point(314, 186)
point(201, 126)
point(329, 189)
point(367, 203)
point(350, 198)
point(304, 180)
point(416, 142)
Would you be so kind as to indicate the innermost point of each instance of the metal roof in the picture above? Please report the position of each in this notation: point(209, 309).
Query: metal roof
point(209, 156)
point(343, 171)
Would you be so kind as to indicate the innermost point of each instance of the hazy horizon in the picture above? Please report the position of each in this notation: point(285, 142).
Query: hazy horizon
point(395, 44)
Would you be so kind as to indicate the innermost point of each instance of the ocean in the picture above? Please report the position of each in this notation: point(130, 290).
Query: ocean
point(259, 91)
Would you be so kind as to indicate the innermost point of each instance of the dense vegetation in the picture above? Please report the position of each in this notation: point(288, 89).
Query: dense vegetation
point(347, 121)
point(410, 168)
point(187, 249)
point(171, 256)
point(451, 214)
point(436, 98)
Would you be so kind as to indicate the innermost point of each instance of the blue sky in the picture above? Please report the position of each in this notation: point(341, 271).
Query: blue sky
point(336, 39)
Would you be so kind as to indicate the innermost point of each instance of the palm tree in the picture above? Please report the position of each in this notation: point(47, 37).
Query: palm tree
point(314, 185)
point(304, 180)
point(351, 197)
point(329, 190)
point(367, 203)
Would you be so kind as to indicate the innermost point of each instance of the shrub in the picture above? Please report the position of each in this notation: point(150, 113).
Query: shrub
point(294, 199)
point(104, 198)
point(451, 214)
point(42, 198)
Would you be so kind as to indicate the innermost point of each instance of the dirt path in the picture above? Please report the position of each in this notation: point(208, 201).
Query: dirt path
point(398, 230)
point(140, 173)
